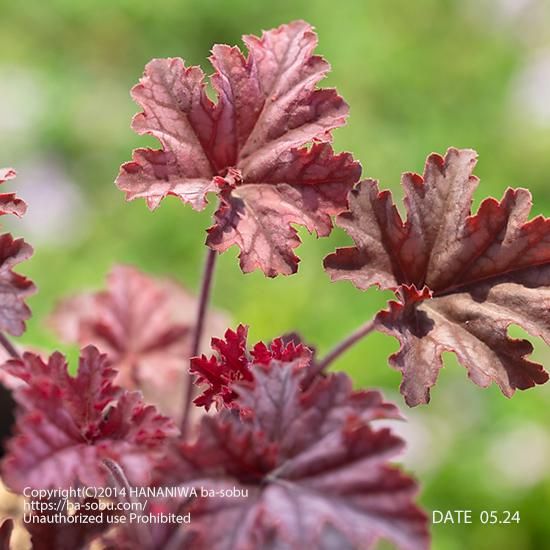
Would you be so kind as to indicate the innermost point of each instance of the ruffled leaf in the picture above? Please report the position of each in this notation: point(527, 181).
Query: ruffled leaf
point(248, 146)
point(462, 279)
point(14, 288)
point(67, 425)
point(232, 363)
point(312, 471)
point(10, 203)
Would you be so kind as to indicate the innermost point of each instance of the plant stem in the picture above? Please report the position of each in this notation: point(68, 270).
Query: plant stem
point(116, 471)
point(9, 347)
point(204, 298)
point(118, 474)
point(345, 344)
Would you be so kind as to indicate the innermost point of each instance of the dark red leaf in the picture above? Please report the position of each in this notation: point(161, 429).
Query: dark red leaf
point(144, 325)
point(248, 146)
point(52, 533)
point(462, 279)
point(68, 425)
point(314, 470)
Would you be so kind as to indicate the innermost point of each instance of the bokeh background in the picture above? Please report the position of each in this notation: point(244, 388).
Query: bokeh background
point(419, 76)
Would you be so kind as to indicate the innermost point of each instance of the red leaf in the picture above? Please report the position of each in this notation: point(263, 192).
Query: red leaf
point(145, 326)
point(313, 469)
point(477, 274)
point(52, 533)
point(248, 146)
point(220, 371)
point(9, 202)
point(232, 363)
point(67, 426)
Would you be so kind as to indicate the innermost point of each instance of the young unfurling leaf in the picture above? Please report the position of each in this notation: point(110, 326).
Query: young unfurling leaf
point(233, 363)
point(462, 279)
point(67, 425)
point(145, 326)
point(314, 470)
point(248, 146)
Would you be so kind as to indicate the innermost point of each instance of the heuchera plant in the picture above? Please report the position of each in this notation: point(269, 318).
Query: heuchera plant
point(300, 446)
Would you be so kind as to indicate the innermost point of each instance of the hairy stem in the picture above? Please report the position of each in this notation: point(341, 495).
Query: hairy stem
point(204, 298)
point(120, 479)
point(118, 474)
point(345, 344)
point(9, 347)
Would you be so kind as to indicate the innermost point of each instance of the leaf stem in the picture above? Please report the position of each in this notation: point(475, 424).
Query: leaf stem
point(206, 285)
point(345, 344)
point(9, 347)
point(118, 474)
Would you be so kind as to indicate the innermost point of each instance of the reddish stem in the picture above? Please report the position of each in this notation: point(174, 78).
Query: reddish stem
point(9, 347)
point(204, 298)
point(120, 479)
point(345, 344)
point(119, 476)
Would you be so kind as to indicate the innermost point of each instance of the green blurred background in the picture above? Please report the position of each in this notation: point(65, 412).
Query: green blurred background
point(419, 76)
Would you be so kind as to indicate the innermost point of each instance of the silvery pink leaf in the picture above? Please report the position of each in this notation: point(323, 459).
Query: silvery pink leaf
point(145, 326)
point(249, 146)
